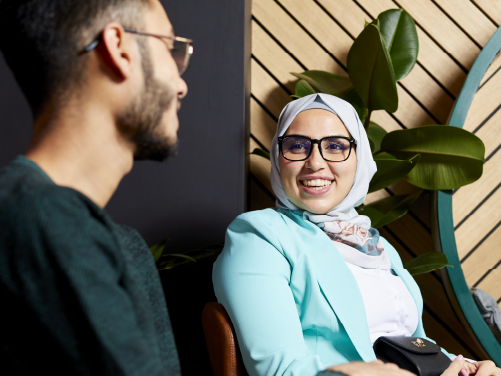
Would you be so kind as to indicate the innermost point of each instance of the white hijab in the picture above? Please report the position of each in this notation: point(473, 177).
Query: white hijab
point(366, 167)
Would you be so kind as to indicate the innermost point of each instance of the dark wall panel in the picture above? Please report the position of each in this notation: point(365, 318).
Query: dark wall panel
point(192, 198)
point(15, 117)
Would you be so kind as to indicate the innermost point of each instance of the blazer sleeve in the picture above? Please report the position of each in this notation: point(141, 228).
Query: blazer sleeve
point(251, 280)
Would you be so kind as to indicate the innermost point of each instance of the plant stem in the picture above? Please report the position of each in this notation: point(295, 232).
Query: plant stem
point(367, 119)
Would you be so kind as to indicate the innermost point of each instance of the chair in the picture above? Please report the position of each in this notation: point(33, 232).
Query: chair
point(224, 354)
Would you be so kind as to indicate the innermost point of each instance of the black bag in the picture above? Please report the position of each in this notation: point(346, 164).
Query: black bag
point(417, 355)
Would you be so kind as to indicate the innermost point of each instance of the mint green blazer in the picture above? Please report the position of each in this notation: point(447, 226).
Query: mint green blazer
point(295, 305)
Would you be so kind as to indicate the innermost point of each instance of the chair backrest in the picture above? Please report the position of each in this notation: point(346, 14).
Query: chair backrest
point(225, 356)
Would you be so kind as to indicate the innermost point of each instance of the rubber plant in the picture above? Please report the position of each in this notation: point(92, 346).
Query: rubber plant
point(431, 157)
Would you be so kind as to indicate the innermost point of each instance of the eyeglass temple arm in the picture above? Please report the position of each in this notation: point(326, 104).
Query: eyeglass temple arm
point(92, 45)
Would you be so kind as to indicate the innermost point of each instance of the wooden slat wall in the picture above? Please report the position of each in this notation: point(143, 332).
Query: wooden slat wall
point(296, 35)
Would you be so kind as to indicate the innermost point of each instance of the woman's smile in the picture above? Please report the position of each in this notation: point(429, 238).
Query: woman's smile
point(316, 185)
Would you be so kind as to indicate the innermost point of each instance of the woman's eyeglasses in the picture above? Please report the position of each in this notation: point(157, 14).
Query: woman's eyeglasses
point(332, 149)
point(181, 51)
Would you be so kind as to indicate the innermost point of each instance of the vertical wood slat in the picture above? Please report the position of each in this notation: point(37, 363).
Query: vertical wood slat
point(475, 227)
point(491, 8)
point(283, 27)
point(258, 198)
point(270, 54)
point(483, 259)
point(266, 90)
point(260, 168)
point(467, 198)
point(262, 125)
point(490, 134)
point(470, 18)
point(442, 29)
point(484, 103)
point(491, 283)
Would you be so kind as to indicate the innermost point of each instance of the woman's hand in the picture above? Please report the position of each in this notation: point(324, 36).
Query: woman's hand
point(484, 368)
point(457, 367)
point(376, 368)
point(463, 368)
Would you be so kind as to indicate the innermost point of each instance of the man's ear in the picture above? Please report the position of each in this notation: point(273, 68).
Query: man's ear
point(117, 50)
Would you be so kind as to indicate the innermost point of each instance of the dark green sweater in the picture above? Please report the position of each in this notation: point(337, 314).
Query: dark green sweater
point(79, 294)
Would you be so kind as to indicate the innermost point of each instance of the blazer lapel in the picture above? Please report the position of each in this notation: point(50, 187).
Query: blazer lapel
point(341, 291)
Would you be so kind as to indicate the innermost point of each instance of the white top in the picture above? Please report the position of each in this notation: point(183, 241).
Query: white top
point(389, 306)
point(355, 257)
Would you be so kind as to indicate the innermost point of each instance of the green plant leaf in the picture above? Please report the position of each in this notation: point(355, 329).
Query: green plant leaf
point(388, 209)
point(427, 262)
point(371, 71)
point(400, 35)
point(157, 249)
point(303, 88)
point(451, 157)
point(390, 170)
point(173, 260)
point(325, 82)
point(261, 152)
point(376, 134)
point(182, 256)
point(340, 86)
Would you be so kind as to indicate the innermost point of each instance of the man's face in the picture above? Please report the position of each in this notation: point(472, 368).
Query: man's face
point(151, 118)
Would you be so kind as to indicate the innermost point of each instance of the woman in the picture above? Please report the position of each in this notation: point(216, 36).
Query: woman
point(310, 284)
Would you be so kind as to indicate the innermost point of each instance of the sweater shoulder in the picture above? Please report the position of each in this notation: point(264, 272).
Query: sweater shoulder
point(25, 192)
point(38, 217)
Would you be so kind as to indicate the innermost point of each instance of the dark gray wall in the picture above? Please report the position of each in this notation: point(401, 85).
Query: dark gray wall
point(192, 198)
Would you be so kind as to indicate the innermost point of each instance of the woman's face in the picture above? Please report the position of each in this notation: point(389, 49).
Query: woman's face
point(301, 179)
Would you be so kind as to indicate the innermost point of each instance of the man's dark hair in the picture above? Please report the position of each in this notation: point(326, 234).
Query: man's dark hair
point(42, 41)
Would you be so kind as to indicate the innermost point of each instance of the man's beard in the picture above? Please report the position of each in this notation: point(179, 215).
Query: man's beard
point(141, 120)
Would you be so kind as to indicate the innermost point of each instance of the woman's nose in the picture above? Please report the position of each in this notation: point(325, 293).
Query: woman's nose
point(315, 162)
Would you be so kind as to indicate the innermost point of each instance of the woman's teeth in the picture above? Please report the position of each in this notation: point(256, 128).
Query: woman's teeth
point(316, 184)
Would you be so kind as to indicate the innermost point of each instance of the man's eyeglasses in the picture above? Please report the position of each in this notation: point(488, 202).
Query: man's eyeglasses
point(181, 52)
point(332, 149)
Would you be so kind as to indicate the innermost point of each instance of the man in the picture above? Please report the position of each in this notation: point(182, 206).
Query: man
point(80, 294)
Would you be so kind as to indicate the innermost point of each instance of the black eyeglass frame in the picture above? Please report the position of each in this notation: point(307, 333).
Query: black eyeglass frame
point(351, 140)
point(189, 50)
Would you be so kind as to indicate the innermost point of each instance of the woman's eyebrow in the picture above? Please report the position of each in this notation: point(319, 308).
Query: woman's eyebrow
point(336, 135)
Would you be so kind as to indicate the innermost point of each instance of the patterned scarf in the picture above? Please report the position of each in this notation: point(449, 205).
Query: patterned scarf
point(365, 241)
